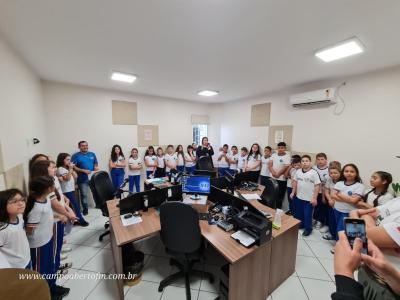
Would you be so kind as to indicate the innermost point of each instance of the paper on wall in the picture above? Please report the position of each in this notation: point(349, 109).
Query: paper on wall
point(148, 135)
point(278, 136)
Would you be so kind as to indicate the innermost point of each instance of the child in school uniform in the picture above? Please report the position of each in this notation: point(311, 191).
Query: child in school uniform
point(223, 161)
point(347, 194)
point(265, 173)
point(170, 160)
point(242, 159)
point(253, 163)
point(379, 193)
point(278, 165)
point(180, 159)
point(150, 161)
point(233, 160)
point(14, 245)
point(306, 185)
point(321, 210)
point(335, 169)
point(117, 166)
point(135, 166)
point(39, 228)
point(290, 173)
point(190, 160)
point(67, 175)
point(160, 170)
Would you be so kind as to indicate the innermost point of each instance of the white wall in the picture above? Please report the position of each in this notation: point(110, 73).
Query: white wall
point(21, 109)
point(365, 133)
point(75, 113)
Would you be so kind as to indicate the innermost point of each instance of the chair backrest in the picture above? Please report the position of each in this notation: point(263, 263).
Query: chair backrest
point(205, 163)
point(102, 188)
point(270, 194)
point(180, 229)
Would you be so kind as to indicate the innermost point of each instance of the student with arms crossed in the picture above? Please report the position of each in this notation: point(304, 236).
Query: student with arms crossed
point(160, 171)
point(150, 161)
point(135, 166)
point(190, 160)
point(170, 160)
point(306, 185)
point(85, 162)
point(279, 163)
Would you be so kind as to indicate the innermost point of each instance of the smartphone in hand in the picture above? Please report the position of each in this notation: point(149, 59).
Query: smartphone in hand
point(355, 228)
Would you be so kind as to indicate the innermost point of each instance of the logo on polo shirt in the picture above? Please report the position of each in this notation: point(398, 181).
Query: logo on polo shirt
point(281, 160)
point(349, 193)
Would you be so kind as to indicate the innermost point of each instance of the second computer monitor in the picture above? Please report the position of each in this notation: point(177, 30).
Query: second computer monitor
point(196, 185)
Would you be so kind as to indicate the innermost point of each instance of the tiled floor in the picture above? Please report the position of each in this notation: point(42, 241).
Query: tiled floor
point(312, 279)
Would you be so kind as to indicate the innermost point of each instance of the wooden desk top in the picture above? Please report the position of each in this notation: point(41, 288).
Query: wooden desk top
point(113, 210)
point(221, 240)
point(127, 234)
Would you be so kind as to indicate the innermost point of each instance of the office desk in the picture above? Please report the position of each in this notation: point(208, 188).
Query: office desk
point(253, 272)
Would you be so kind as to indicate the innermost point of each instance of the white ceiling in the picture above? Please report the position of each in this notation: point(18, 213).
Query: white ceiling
point(241, 48)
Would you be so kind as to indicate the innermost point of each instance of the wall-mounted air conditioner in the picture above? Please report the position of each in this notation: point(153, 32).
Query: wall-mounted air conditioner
point(318, 97)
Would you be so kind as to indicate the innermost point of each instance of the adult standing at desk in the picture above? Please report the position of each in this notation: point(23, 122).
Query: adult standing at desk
point(85, 163)
point(205, 149)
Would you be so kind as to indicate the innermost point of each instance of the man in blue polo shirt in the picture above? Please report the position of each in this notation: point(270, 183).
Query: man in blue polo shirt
point(85, 163)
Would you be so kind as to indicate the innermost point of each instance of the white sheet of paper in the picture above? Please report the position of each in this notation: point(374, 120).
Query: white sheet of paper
point(130, 221)
point(278, 136)
point(148, 134)
point(251, 197)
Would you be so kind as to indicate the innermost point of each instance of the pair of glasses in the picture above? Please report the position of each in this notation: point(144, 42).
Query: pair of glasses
point(15, 201)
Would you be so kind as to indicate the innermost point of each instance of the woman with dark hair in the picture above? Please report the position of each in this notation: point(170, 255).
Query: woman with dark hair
point(205, 149)
point(117, 166)
point(67, 175)
point(37, 157)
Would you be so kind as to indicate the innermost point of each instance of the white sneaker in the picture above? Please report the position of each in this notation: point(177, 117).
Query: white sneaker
point(318, 225)
point(65, 249)
point(63, 256)
point(314, 222)
point(324, 229)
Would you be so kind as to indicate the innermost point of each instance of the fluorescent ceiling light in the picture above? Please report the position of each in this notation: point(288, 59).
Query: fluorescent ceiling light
point(346, 48)
point(124, 77)
point(207, 93)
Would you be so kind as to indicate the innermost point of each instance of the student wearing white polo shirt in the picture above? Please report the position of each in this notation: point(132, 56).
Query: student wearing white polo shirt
point(150, 161)
point(321, 210)
point(67, 175)
point(180, 159)
point(14, 244)
point(253, 163)
point(306, 185)
point(223, 160)
point(39, 228)
point(265, 173)
point(135, 166)
point(160, 171)
point(242, 159)
point(290, 173)
point(279, 163)
point(190, 160)
point(379, 193)
point(233, 160)
point(347, 194)
point(170, 160)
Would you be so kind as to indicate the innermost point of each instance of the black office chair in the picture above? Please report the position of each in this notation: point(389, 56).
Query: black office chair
point(103, 190)
point(270, 194)
point(180, 233)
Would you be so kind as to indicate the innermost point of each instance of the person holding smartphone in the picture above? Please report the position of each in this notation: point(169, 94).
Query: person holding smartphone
point(377, 279)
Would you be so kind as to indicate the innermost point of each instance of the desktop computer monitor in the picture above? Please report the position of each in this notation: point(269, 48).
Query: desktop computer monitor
point(196, 185)
point(135, 202)
point(241, 177)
